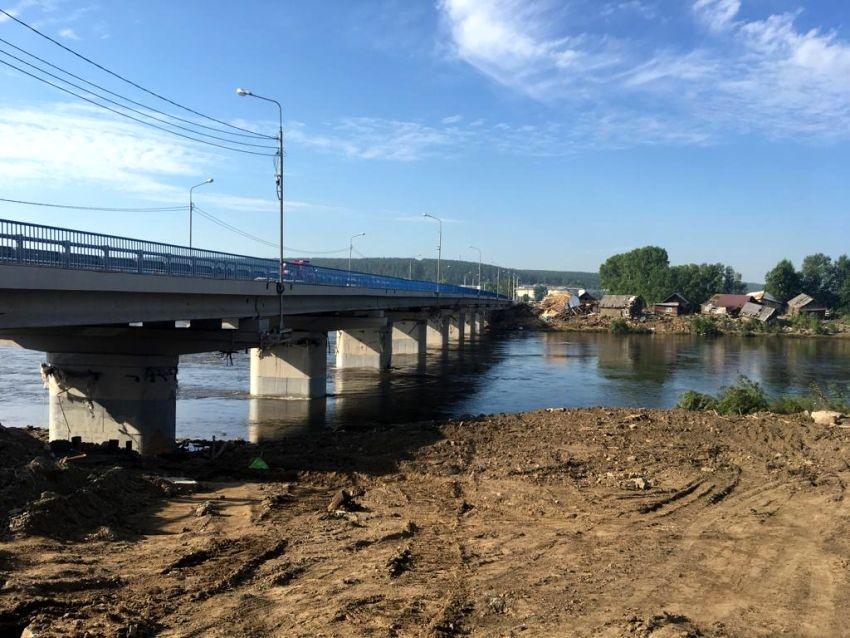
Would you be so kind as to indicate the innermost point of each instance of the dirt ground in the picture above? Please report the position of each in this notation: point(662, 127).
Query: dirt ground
point(591, 522)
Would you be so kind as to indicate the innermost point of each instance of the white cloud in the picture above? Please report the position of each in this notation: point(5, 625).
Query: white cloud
point(68, 34)
point(759, 76)
point(76, 144)
point(717, 14)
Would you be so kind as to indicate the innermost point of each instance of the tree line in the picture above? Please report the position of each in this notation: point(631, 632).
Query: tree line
point(647, 272)
point(819, 276)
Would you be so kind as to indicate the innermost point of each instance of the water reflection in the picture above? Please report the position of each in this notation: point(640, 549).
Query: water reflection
point(509, 373)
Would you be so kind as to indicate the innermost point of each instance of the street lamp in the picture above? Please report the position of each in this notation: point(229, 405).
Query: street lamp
point(279, 171)
point(412, 259)
point(192, 205)
point(439, 246)
point(479, 266)
point(350, 250)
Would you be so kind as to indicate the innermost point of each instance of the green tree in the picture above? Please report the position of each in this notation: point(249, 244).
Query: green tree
point(818, 278)
point(644, 272)
point(732, 282)
point(783, 281)
point(698, 282)
point(540, 291)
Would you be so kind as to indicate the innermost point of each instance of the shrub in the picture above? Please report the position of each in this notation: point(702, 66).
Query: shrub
point(619, 327)
point(792, 404)
point(744, 397)
point(810, 323)
point(704, 326)
point(697, 401)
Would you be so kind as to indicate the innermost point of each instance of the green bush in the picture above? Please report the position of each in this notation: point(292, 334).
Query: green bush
point(744, 397)
point(811, 324)
point(619, 327)
point(697, 401)
point(747, 397)
point(704, 326)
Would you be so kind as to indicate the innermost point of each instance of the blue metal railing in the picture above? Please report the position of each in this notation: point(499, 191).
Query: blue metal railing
point(50, 246)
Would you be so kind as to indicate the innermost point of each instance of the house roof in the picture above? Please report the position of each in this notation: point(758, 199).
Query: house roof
point(676, 298)
point(757, 311)
point(617, 301)
point(729, 301)
point(800, 301)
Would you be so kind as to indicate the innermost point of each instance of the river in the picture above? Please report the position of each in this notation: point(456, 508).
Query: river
point(508, 373)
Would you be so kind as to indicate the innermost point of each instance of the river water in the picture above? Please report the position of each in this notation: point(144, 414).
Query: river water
point(509, 373)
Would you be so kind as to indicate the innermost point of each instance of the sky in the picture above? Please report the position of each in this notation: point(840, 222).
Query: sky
point(549, 134)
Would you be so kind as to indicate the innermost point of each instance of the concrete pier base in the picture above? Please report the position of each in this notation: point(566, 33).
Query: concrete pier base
point(130, 399)
point(472, 329)
point(437, 332)
point(364, 347)
point(296, 369)
point(409, 337)
point(457, 327)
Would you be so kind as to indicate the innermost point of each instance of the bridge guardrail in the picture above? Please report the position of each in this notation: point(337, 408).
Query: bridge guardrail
point(54, 247)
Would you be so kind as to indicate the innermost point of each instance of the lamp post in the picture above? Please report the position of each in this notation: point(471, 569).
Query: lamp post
point(192, 205)
point(350, 250)
point(479, 267)
point(279, 172)
point(439, 245)
point(410, 271)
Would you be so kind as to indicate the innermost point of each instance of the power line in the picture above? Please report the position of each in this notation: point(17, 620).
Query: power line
point(135, 119)
point(130, 108)
point(248, 235)
point(121, 77)
point(132, 101)
point(163, 209)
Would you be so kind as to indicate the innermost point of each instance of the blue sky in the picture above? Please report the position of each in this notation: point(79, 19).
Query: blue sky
point(550, 134)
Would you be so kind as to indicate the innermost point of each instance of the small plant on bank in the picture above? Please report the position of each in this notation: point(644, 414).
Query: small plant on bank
point(697, 402)
point(744, 397)
point(811, 324)
point(619, 327)
point(747, 396)
point(704, 326)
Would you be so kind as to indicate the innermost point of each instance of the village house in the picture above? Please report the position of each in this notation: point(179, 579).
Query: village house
point(525, 292)
point(627, 306)
point(766, 299)
point(725, 304)
point(675, 304)
point(753, 310)
point(803, 304)
point(586, 300)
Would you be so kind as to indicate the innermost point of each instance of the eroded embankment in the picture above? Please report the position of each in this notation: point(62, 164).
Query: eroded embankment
point(555, 523)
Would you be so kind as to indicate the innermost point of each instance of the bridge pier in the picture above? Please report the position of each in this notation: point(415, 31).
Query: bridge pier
point(365, 347)
point(409, 337)
point(130, 399)
point(472, 325)
point(295, 369)
point(437, 332)
point(457, 326)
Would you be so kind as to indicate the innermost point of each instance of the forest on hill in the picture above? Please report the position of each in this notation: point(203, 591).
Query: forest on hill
point(460, 272)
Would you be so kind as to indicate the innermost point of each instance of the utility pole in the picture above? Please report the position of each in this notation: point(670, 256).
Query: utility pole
point(351, 250)
point(192, 205)
point(439, 246)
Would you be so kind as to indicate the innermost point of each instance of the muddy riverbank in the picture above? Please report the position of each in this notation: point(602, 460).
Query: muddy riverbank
point(589, 522)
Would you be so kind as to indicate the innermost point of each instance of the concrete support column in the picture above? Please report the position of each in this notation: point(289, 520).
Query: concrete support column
point(437, 332)
point(472, 324)
point(295, 369)
point(457, 326)
point(409, 337)
point(130, 399)
point(365, 347)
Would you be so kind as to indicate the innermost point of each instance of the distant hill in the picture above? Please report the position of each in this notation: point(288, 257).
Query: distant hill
point(459, 272)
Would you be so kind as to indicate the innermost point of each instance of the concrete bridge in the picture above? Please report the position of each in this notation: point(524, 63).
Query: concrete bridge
point(114, 314)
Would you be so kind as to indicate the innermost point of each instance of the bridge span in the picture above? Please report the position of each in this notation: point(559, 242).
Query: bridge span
point(114, 314)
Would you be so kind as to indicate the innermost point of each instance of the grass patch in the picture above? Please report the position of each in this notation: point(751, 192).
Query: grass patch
point(623, 327)
point(704, 326)
point(747, 397)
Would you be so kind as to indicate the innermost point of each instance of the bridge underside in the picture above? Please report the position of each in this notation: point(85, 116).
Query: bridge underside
point(113, 339)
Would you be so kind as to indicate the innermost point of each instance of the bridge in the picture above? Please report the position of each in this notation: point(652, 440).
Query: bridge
point(114, 314)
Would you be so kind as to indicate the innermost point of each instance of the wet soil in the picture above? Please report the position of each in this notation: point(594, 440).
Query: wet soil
point(580, 523)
